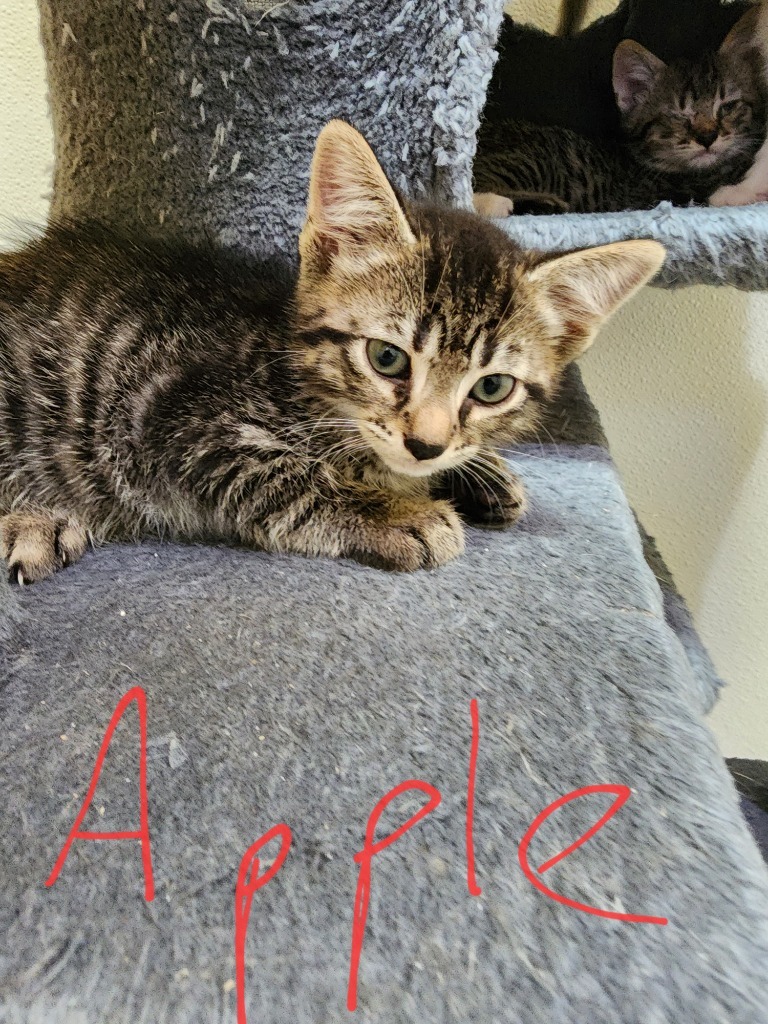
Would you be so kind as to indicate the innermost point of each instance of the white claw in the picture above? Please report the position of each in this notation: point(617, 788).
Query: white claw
point(20, 578)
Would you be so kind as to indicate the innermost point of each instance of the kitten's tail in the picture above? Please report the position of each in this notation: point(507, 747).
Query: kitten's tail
point(571, 16)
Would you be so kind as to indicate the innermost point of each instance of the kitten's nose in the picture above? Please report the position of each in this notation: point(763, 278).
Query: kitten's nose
point(421, 450)
point(706, 138)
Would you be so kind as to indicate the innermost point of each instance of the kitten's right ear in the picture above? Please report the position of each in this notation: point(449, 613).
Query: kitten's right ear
point(353, 214)
point(635, 72)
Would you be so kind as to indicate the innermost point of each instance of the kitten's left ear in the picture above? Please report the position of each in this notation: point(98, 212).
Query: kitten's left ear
point(635, 72)
point(577, 292)
point(353, 213)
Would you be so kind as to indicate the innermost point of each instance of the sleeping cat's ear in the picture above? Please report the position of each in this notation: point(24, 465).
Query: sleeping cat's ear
point(635, 72)
point(354, 215)
point(577, 292)
point(744, 36)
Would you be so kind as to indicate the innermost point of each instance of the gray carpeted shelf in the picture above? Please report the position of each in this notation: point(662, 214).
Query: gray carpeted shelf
point(727, 246)
point(301, 691)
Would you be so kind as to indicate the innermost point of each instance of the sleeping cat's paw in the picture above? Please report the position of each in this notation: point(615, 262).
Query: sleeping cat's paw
point(410, 534)
point(37, 544)
point(485, 493)
point(488, 204)
point(738, 195)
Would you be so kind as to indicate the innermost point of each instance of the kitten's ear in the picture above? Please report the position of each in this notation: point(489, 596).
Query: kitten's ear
point(353, 211)
point(635, 72)
point(577, 292)
point(743, 37)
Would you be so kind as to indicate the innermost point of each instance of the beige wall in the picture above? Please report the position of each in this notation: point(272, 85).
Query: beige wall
point(681, 380)
point(26, 154)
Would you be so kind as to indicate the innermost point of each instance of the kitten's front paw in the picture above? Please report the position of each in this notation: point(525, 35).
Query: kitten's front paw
point(738, 195)
point(36, 544)
point(412, 534)
point(485, 493)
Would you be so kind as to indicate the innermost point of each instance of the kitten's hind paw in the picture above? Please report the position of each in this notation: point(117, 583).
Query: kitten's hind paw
point(36, 544)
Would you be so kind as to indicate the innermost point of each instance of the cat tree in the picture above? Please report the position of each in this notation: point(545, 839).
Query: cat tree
point(284, 690)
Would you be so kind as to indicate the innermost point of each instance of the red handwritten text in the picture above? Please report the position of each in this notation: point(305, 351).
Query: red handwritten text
point(623, 794)
point(138, 695)
point(364, 858)
point(250, 881)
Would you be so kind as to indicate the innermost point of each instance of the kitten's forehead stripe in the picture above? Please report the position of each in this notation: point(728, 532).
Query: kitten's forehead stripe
point(489, 347)
point(320, 334)
point(421, 334)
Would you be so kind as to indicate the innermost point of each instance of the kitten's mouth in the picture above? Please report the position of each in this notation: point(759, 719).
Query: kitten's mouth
point(406, 464)
point(417, 469)
point(718, 152)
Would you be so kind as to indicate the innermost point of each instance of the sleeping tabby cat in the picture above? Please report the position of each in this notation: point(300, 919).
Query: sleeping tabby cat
point(565, 79)
point(688, 128)
point(351, 412)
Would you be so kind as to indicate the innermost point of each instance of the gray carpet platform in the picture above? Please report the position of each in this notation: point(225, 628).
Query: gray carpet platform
point(726, 246)
point(302, 691)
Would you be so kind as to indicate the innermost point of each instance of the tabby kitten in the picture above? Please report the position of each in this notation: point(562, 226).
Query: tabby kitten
point(687, 127)
point(351, 412)
point(524, 168)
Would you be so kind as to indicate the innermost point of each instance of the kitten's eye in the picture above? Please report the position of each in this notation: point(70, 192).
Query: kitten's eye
point(493, 389)
point(388, 360)
point(729, 108)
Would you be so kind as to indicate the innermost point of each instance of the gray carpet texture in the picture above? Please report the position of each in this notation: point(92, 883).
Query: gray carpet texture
point(285, 690)
point(198, 117)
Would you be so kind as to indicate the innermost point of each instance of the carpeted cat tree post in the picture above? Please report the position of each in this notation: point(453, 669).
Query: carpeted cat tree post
point(284, 693)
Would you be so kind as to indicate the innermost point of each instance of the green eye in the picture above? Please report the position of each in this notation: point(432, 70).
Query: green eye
point(388, 360)
point(493, 389)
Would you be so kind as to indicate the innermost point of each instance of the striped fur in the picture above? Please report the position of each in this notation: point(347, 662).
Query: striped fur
point(158, 390)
